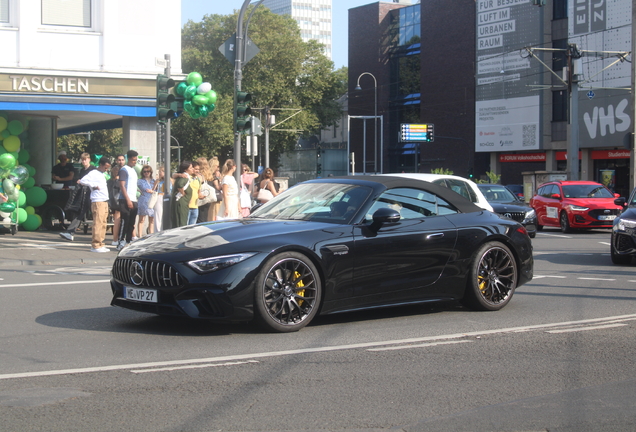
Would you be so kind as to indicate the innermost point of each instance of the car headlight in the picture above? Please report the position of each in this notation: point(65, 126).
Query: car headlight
point(626, 223)
point(207, 265)
point(530, 214)
point(578, 208)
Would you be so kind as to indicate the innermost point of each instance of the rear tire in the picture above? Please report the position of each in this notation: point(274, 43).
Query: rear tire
point(492, 279)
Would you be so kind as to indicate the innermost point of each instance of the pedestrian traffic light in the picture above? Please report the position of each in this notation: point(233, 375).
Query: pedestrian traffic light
point(243, 112)
point(164, 98)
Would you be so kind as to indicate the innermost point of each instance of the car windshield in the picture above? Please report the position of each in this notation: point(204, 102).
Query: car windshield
point(497, 193)
point(586, 191)
point(323, 202)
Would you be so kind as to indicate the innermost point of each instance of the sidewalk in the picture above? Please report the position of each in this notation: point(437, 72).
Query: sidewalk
point(47, 248)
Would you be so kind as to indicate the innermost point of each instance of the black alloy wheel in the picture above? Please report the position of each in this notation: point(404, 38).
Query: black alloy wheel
point(288, 293)
point(565, 223)
point(493, 278)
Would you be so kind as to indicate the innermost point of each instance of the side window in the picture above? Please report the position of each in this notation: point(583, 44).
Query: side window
point(548, 191)
point(461, 188)
point(412, 204)
point(67, 13)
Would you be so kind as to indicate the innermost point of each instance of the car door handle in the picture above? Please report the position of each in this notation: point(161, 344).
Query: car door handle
point(436, 235)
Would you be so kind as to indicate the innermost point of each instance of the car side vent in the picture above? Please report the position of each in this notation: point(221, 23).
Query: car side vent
point(146, 273)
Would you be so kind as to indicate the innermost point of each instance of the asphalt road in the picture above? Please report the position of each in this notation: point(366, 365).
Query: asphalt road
point(560, 357)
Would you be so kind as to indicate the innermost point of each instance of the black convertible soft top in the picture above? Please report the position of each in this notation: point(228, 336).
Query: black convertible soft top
point(389, 182)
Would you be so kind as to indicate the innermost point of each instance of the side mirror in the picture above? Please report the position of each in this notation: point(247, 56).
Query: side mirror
point(620, 201)
point(617, 195)
point(384, 215)
point(555, 196)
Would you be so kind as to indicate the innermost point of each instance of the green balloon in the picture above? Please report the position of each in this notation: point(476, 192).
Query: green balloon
point(190, 92)
point(30, 169)
point(7, 207)
point(8, 186)
point(14, 196)
point(204, 110)
point(181, 88)
point(138, 169)
point(32, 222)
point(29, 183)
point(211, 97)
point(19, 215)
point(194, 78)
point(200, 100)
point(30, 210)
point(23, 156)
point(35, 196)
point(211, 107)
point(5, 134)
point(3, 123)
point(21, 199)
point(15, 127)
point(188, 107)
point(195, 114)
point(19, 175)
point(7, 161)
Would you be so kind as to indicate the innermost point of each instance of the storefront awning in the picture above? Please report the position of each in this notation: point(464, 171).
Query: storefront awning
point(127, 111)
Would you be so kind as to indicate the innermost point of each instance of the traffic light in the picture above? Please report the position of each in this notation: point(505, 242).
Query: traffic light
point(318, 160)
point(243, 112)
point(164, 98)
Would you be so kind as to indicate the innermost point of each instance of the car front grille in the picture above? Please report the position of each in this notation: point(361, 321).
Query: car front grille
point(152, 273)
point(603, 212)
point(516, 216)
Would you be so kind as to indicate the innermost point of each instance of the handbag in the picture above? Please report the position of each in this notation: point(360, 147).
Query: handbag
point(209, 195)
point(153, 199)
point(264, 194)
point(246, 200)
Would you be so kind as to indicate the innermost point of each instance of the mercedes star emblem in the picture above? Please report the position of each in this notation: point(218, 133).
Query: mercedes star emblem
point(136, 273)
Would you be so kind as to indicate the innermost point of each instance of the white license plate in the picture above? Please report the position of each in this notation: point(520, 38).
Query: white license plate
point(610, 217)
point(141, 295)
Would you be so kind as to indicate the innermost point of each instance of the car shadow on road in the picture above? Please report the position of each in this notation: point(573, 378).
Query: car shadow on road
point(115, 320)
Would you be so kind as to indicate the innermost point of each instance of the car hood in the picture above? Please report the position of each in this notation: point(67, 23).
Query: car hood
point(500, 207)
point(606, 203)
point(235, 234)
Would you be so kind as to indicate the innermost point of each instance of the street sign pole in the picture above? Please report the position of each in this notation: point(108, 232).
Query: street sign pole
point(166, 220)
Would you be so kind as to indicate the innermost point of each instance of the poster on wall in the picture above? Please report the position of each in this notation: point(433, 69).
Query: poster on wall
point(507, 124)
point(602, 31)
point(507, 109)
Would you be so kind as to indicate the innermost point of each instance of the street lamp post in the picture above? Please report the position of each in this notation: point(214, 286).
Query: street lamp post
point(375, 124)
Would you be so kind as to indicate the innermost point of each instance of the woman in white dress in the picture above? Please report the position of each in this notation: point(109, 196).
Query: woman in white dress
point(230, 206)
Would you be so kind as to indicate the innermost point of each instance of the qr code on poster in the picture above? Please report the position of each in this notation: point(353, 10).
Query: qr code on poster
point(529, 135)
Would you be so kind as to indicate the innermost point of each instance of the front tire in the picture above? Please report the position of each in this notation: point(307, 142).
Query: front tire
point(565, 223)
point(288, 293)
point(493, 278)
point(620, 259)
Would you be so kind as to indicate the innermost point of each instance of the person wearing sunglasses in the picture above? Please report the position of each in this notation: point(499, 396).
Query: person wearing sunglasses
point(147, 186)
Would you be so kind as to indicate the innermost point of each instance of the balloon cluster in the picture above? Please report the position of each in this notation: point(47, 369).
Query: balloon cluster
point(200, 99)
point(16, 177)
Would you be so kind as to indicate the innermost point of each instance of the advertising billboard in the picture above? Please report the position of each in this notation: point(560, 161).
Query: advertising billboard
point(508, 108)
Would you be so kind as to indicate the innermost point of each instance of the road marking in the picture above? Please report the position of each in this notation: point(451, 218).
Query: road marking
point(138, 371)
point(586, 328)
point(418, 346)
point(54, 283)
point(597, 279)
point(548, 276)
point(605, 243)
point(323, 349)
point(554, 235)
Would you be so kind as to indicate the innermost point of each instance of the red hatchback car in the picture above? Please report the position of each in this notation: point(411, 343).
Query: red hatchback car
point(574, 204)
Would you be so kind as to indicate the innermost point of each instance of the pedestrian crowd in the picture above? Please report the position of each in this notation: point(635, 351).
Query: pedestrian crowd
point(201, 191)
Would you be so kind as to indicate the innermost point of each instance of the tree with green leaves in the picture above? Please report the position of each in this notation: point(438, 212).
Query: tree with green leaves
point(286, 74)
point(106, 142)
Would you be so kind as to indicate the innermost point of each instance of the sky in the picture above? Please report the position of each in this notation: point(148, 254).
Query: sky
point(195, 10)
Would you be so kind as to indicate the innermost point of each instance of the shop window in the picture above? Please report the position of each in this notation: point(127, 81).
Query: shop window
point(560, 105)
point(68, 13)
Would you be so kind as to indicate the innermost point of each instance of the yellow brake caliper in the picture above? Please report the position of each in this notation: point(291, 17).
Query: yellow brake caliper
point(299, 284)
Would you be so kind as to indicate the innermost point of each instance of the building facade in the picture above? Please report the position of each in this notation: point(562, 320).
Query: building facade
point(82, 65)
point(493, 78)
point(313, 18)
